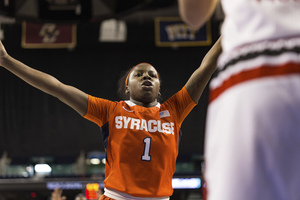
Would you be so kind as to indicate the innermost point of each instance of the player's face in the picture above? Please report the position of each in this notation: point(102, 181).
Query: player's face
point(143, 86)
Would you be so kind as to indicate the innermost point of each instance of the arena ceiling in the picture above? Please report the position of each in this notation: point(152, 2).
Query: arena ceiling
point(84, 10)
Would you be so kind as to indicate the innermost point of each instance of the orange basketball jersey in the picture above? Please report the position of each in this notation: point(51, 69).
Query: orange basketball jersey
point(141, 143)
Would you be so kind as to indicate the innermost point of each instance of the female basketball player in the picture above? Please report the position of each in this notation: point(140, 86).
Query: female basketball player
point(140, 135)
point(253, 125)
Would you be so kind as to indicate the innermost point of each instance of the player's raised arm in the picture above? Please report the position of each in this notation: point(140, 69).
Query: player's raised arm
point(199, 79)
point(196, 12)
point(45, 82)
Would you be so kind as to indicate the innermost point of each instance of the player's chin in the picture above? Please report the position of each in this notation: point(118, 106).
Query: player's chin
point(149, 94)
point(147, 90)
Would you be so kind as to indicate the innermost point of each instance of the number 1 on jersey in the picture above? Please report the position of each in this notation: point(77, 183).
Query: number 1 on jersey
point(146, 156)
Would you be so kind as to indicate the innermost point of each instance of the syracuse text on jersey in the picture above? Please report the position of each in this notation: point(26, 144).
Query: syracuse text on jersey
point(142, 124)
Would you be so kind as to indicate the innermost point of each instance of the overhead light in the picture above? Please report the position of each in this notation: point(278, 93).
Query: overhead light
point(186, 183)
point(96, 157)
point(30, 170)
point(113, 30)
point(95, 161)
point(6, 2)
point(42, 168)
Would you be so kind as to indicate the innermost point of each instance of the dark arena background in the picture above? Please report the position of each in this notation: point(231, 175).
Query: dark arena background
point(37, 130)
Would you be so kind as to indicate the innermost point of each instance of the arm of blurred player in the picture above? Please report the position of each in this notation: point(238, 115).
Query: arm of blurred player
point(196, 12)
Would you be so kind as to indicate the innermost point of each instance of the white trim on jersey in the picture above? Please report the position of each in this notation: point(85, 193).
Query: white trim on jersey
point(114, 194)
point(260, 60)
point(274, 45)
point(252, 64)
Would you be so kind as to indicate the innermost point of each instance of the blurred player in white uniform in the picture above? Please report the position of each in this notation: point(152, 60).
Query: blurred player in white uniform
point(252, 142)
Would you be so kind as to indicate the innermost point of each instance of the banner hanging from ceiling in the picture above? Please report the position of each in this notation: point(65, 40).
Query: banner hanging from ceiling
point(48, 35)
point(173, 32)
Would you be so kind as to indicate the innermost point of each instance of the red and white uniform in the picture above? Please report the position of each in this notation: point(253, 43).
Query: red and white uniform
point(252, 141)
point(141, 143)
point(249, 21)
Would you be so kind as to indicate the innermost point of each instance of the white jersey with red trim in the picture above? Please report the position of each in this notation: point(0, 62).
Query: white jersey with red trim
point(249, 21)
point(252, 141)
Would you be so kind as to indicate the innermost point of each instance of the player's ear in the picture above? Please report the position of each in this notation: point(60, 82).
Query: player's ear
point(126, 90)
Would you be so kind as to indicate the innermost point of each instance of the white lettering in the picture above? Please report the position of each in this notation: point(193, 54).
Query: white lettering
point(180, 31)
point(159, 128)
point(118, 122)
point(172, 127)
point(135, 123)
point(150, 126)
point(144, 125)
point(126, 121)
point(167, 128)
